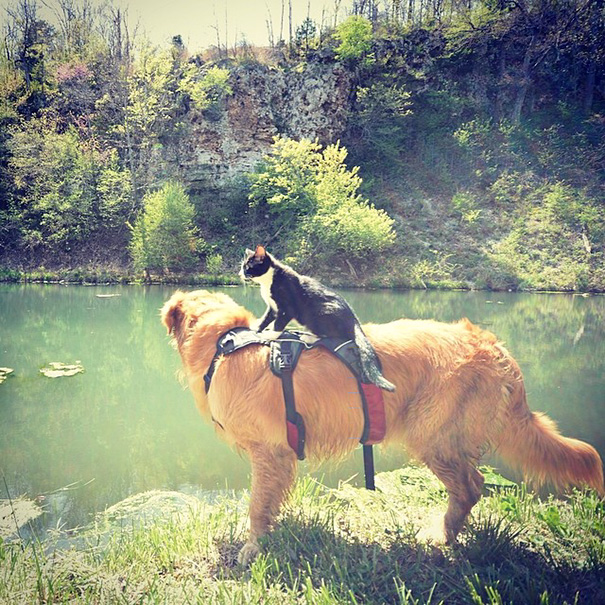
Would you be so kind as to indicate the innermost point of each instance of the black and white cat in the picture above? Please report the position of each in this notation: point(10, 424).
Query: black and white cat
point(290, 295)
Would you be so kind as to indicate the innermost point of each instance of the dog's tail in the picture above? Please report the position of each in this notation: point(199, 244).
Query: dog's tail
point(370, 364)
point(532, 442)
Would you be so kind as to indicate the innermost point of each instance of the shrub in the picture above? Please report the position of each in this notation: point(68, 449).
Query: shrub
point(71, 190)
point(283, 181)
point(205, 88)
point(355, 37)
point(163, 236)
point(555, 241)
point(466, 206)
point(214, 264)
point(311, 191)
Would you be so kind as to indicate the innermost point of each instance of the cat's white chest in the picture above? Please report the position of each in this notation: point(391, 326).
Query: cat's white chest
point(265, 282)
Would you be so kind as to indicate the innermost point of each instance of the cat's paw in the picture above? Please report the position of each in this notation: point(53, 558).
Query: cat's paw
point(255, 325)
point(248, 553)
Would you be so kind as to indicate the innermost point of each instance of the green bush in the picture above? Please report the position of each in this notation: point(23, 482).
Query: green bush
point(344, 223)
point(163, 235)
point(214, 264)
point(205, 88)
point(465, 205)
point(355, 37)
point(283, 182)
point(71, 190)
point(555, 241)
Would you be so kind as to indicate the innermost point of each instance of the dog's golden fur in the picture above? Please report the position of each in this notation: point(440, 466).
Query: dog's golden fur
point(459, 393)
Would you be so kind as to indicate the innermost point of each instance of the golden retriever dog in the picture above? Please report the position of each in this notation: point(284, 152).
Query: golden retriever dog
point(459, 394)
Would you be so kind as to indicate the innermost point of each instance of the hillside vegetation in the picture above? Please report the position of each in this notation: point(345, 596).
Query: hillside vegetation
point(465, 147)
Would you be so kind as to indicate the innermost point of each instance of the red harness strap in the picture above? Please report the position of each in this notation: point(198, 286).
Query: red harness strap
point(376, 421)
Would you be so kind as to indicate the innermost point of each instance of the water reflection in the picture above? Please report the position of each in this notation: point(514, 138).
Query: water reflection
point(127, 424)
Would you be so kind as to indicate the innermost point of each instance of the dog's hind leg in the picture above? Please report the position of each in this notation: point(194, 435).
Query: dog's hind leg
point(273, 473)
point(463, 483)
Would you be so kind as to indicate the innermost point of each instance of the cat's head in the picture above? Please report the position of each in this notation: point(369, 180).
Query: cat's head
point(255, 264)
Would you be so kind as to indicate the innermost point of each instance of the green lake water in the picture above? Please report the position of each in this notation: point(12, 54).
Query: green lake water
point(80, 444)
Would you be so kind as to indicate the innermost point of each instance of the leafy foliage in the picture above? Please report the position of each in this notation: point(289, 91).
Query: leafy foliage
point(163, 235)
point(312, 192)
point(552, 242)
point(283, 182)
point(70, 190)
point(355, 40)
point(305, 36)
point(478, 126)
point(207, 88)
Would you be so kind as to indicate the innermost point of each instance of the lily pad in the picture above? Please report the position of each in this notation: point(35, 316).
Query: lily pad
point(57, 369)
point(5, 373)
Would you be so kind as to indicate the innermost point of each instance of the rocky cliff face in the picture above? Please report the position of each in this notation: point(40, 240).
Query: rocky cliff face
point(310, 102)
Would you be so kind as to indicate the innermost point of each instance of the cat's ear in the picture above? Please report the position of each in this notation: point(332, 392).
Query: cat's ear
point(260, 252)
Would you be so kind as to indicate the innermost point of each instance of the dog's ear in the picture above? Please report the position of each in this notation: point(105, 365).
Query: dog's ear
point(172, 313)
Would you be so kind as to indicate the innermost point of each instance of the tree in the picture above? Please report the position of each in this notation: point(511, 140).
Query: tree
point(26, 41)
point(76, 21)
point(70, 191)
point(205, 88)
point(163, 235)
point(305, 34)
point(355, 38)
point(283, 182)
point(161, 88)
point(345, 225)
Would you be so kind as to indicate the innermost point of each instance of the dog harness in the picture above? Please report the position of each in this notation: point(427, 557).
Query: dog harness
point(285, 351)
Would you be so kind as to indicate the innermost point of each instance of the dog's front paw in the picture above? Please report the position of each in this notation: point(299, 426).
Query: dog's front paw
point(248, 553)
point(434, 531)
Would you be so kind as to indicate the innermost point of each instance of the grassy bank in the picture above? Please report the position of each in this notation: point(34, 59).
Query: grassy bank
point(110, 276)
point(331, 546)
point(107, 276)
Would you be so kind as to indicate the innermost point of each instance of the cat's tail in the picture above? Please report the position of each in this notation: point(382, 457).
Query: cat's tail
point(370, 364)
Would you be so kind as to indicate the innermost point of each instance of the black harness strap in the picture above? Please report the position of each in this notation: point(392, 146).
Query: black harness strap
point(368, 466)
point(229, 342)
point(295, 425)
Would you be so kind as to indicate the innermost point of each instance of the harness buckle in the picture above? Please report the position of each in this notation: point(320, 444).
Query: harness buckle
point(285, 361)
